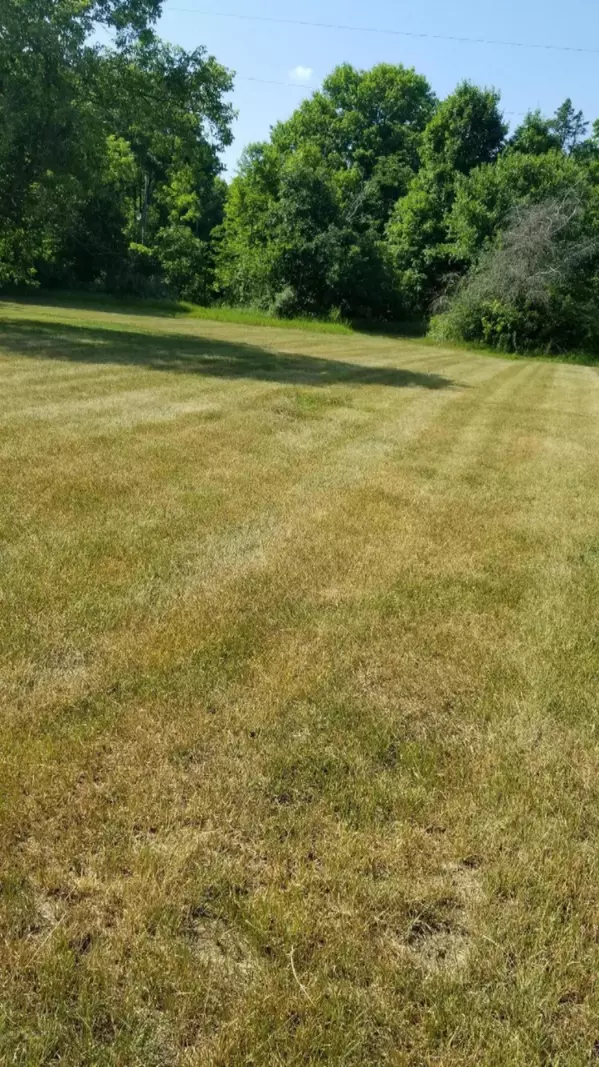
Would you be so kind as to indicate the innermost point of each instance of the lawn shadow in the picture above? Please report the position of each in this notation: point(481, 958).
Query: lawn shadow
point(209, 356)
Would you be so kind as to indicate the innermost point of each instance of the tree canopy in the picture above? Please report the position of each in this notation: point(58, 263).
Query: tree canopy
point(109, 158)
point(374, 199)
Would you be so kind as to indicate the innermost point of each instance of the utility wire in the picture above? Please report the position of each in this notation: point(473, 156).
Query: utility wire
point(274, 81)
point(383, 30)
point(292, 85)
point(310, 86)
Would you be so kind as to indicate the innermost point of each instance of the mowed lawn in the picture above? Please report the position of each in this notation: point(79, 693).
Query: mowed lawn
point(299, 684)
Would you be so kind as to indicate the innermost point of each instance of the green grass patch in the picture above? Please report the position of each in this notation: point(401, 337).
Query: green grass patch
point(177, 309)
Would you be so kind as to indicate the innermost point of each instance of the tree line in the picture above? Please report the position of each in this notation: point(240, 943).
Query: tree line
point(374, 201)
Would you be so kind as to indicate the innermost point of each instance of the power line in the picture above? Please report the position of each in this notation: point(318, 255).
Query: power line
point(274, 81)
point(385, 31)
point(311, 86)
point(291, 85)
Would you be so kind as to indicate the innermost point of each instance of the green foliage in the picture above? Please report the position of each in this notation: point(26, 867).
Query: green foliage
point(525, 229)
point(245, 241)
point(44, 132)
point(535, 135)
point(125, 15)
point(359, 117)
point(104, 152)
point(467, 130)
point(416, 239)
point(373, 201)
point(485, 199)
point(569, 126)
point(536, 286)
point(306, 215)
point(185, 263)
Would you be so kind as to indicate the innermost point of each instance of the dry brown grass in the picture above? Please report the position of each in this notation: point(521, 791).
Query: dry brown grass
point(299, 696)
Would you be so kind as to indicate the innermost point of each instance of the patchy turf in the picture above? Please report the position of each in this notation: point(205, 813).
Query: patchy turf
point(299, 680)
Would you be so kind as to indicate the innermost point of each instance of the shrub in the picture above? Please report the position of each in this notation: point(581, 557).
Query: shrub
point(530, 291)
point(286, 304)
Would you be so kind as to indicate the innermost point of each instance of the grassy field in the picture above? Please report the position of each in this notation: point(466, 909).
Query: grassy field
point(299, 685)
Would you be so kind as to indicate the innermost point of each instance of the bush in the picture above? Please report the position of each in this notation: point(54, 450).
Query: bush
point(501, 326)
point(185, 264)
point(286, 304)
point(530, 291)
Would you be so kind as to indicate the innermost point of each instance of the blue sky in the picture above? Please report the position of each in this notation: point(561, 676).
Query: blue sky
point(526, 78)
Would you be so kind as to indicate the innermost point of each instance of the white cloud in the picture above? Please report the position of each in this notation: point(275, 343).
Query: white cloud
point(301, 74)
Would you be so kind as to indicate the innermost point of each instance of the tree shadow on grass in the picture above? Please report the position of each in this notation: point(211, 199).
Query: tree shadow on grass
point(207, 356)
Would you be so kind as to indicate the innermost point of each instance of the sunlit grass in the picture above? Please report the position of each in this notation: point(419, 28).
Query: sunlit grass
point(182, 309)
point(299, 690)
